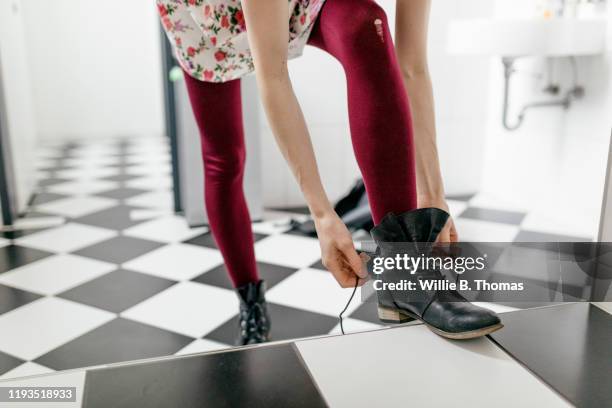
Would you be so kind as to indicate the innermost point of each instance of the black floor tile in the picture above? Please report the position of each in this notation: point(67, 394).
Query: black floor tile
point(533, 236)
point(19, 233)
point(207, 240)
point(287, 323)
point(121, 193)
point(300, 233)
point(119, 249)
point(460, 197)
point(367, 311)
point(122, 166)
point(12, 298)
point(318, 265)
point(499, 216)
point(204, 240)
point(267, 377)
point(121, 177)
point(294, 210)
point(117, 218)
point(118, 340)
point(43, 198)
point(118, 290)
point(14, 256)
point(272, 274)
point(51, 181)
point(58, 167)
point(8, 362)
point(569, 347)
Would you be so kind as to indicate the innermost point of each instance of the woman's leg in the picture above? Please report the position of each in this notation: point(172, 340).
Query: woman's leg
point(218, 112)
point(356, 33)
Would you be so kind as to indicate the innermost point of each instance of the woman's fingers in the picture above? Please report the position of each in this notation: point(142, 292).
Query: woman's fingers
point(344, 271)
point(338, 268)
point(444, 235)
point(454, 236)
point(353, 260)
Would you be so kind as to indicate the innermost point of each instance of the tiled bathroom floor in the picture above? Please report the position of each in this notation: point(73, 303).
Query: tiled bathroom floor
point(124, 278)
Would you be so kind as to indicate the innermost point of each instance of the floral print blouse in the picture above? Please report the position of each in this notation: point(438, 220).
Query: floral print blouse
point(209, 36)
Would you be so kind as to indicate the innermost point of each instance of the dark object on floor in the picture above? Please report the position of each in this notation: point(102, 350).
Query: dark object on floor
point(253, 319)
point(353, 209)
point(445, 312)
point(352, 200)
point(256, 377)
point(567, 346)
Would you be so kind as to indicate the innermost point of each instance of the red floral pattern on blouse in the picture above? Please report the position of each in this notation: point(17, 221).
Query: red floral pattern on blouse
point(209, 36)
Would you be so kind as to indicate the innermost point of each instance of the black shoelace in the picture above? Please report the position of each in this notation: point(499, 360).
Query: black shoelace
point(348, 304)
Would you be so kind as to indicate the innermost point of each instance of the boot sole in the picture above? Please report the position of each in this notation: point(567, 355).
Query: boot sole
point(388, 315)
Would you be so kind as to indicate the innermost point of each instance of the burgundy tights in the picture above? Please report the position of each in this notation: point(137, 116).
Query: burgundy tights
point(356, 33)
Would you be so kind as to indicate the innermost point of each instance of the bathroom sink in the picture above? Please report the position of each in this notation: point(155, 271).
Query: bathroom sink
point(527, 37)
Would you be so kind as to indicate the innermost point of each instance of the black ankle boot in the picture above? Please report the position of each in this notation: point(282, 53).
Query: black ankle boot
point(446, 313)
point(254, 320)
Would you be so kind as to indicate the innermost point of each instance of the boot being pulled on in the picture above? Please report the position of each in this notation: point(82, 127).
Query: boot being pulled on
point(445, 312)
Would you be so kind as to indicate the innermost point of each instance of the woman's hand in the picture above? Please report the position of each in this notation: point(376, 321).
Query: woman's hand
point(449, 232)
point(338, 252)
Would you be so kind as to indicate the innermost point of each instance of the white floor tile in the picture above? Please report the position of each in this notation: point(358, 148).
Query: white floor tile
point(66, 238)
point(151, 183)
point(148, 214)
point(49, 153)
point(551, 222)
point(42, 175)
point(490, 201)
point(95, 151)
point(475, 372)
point(85, 176)
point(483, 231)
point(43, 163)
point(456, 207)
point(314, 290)
point(201, 346)
point(188, 308)
point(40, 326)
point(271, 227)
point(148, 149)
point(26, 369)
point(605, 306)
point(149, 169)
point(497, 308)
point(77, 206)
point(38, 222)
point(89, 162)
point(288, 250)
point(157, 199)
point(166, 229)
point(355, 326)
point(153, 157)
point(55, 274)
point(176, 261)
point(4, 242)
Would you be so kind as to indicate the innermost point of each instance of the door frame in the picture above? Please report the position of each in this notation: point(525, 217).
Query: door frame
point(7, 197)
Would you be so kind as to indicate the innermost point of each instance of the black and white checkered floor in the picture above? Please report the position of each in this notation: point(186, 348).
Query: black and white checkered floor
point(124, 278)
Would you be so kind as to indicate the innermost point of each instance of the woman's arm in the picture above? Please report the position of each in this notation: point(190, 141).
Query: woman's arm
point(268, 32)
point(412, 18)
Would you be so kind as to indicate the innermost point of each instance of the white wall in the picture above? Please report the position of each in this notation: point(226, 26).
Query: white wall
point(460, 87)
point(554, 165)
point(95, 67)
point(20, 118)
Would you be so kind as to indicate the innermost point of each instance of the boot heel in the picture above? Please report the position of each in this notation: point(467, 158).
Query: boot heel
point(387, 315)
